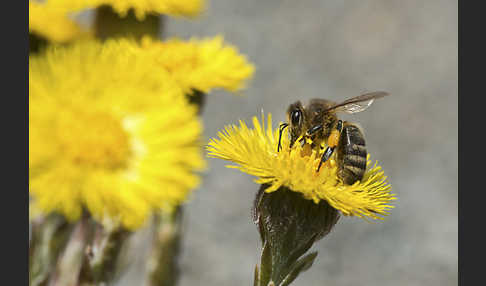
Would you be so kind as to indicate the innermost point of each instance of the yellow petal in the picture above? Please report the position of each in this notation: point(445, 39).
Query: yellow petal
point(255, 152)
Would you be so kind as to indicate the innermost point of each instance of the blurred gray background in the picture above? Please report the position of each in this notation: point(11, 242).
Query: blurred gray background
point(335, 50)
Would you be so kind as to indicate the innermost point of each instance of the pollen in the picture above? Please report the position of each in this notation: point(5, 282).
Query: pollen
point(254, 151)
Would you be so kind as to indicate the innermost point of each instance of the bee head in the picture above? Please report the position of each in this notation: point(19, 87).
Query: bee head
point(295, 117)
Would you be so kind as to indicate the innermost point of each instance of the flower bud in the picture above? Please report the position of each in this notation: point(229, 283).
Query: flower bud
point(289, 224)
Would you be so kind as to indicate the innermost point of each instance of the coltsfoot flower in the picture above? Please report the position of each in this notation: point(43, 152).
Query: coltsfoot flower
point(202, 64)
point(178, 8)
point(53, 23)
point(110, 133)
point(255, 153)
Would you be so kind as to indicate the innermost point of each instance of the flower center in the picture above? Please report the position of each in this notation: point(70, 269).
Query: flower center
point(94, 139)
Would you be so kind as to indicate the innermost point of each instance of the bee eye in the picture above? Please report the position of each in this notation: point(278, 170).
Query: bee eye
point(295, 117)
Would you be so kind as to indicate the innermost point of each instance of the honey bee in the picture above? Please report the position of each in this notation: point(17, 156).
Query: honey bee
point(318, 121)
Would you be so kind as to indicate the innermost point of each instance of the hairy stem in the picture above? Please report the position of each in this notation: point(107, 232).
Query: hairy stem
point(109, 24)
point(198, 98)
point(48, 238)
point(36, 43)
point(71, 260)
point(289, 225)
point(162, 265)
point(102, 254)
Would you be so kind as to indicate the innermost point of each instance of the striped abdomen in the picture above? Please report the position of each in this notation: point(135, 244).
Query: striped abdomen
point(351, 156)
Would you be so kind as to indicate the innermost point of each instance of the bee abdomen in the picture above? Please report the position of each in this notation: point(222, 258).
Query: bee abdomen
point(351, 154)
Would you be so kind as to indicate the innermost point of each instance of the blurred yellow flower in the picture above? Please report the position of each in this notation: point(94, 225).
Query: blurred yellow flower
point(188, 8)
point(254, 152)
point(110, 133)
point(52, 23)
point(202, 64)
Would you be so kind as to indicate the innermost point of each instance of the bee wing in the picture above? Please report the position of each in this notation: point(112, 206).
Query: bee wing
point(358, 103)
point(355, 107)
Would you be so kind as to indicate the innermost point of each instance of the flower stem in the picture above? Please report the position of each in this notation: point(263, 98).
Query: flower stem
point(108, 24)
point(162, 265)
point(288, 225)
point(70, 262)
point(36, 43)
point(198, 98)
point(49, 236)
point(102, 255)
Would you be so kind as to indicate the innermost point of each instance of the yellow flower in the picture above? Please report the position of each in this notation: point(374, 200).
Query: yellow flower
point(189, 8)
point(52, 23)
point(202, 64)
point(255, 152)
point(109, 132)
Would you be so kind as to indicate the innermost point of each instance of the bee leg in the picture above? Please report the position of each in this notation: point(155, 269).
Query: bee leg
point(332, 143)
point(281, 129)
point(313, 130)
point(302, 142)
point(339, 126)
point(327, 154)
